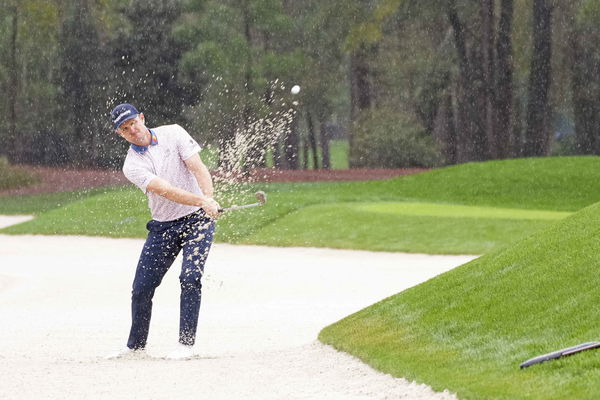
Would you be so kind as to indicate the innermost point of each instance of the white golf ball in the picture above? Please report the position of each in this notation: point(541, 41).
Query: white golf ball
point(295, 89)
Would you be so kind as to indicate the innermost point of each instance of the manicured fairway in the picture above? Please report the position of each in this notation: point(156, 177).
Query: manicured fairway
point(458, 211)
point(407, 227)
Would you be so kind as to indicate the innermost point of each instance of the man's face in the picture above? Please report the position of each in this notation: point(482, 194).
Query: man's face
point(134, 131)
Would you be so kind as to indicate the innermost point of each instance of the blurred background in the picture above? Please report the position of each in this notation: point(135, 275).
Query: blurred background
point(384, 83)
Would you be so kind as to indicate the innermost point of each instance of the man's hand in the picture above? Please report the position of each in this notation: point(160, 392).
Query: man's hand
point(210, 207)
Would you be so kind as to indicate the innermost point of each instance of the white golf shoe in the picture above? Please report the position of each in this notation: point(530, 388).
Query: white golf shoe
point(182, 352)
point(125, 352)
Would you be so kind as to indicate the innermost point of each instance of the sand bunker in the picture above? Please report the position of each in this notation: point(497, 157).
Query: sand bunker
point(64, 303)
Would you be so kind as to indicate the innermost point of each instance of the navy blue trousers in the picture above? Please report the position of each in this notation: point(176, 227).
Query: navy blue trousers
point(194, 235)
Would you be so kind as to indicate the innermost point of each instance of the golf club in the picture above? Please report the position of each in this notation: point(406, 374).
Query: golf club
point(561, 353)
point(260, 196)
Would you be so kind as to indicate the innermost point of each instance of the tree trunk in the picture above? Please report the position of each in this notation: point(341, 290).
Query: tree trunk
point(443, 129)
point(537, 134)
point(361, 92)
point(277, 157)
point(325, 155)
point(312, 139)
point(291, 143)
point(251, 153)
point(585, 82)
point(503, 93)
point(488, 72)
point(305, 152)
point(13, 89)
point(472, 144)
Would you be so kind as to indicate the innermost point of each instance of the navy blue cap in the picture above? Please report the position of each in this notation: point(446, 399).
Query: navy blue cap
point(122, 113)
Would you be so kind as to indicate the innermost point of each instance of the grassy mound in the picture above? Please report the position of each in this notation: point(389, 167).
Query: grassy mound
point(553, 183)
point(469, 329)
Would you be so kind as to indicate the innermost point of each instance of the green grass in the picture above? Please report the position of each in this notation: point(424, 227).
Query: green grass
point(552, 183)
point(292, 219)
point(338, 155)
point(338, 151)
point(113, 212)
point(457, 211)
point(469, 329)
point(39, 204)
point(407, 227)
point(426, 212)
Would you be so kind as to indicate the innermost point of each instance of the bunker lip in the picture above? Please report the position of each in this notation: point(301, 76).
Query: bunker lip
point(8, 220)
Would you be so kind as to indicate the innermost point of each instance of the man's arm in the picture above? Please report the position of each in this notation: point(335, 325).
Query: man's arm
point(200, 171)
point(173, 193)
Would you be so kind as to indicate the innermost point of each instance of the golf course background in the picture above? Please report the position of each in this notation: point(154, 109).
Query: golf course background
point(467, 330)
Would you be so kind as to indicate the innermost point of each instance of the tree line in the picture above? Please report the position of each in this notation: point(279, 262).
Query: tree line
point(406, 82)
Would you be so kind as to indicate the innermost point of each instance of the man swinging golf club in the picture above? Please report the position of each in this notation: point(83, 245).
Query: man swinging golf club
point(164, 163)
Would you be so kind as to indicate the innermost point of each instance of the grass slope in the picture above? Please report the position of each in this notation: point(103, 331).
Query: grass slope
point(113, 212)
point(550, 183)
point(41, 203)
point(469, 329)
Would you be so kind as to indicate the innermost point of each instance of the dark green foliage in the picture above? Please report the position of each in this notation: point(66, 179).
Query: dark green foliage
point(242, 58)
point(586, 78)
point(13, 177)
point(460, 68)
point(83, 69)
point(387, 139)
point(146, 61)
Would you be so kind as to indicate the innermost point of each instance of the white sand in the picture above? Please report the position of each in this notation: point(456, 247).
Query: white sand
point(7, 220)
point(64, 305)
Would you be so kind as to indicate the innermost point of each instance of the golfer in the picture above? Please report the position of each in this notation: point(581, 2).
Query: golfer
point(164, 163)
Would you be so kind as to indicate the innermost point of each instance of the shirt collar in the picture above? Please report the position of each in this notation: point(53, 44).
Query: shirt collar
point(143, 149)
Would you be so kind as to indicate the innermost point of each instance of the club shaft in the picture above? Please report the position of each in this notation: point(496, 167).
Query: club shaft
point(233, 208)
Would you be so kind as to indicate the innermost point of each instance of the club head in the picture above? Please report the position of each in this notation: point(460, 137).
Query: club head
point(261, 197)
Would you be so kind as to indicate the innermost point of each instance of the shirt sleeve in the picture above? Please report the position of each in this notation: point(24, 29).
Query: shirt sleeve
point(186, 145)
point(137, 175)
